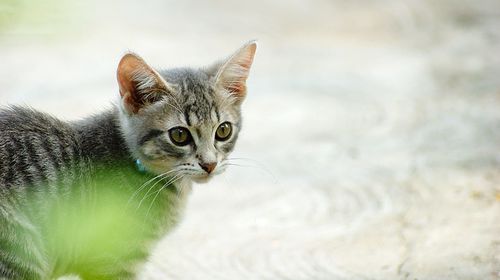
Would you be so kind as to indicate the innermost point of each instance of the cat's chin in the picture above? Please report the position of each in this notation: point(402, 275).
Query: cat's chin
point(201, 179)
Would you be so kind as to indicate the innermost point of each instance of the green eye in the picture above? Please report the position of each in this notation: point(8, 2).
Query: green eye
point(180, 136)
point(223, 132)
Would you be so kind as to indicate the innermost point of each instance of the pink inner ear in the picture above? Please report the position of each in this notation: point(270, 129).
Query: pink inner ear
point(128, 64)
point(125, 83)
point(237, 88)
point(128, 67)
point(247, 60)
point(130, 104)
point(236, 73)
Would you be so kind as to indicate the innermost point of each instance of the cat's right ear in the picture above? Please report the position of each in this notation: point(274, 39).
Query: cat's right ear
point(139, 83)
point(233, 73)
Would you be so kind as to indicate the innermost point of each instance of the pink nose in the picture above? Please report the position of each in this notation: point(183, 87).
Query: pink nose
point(208, 167)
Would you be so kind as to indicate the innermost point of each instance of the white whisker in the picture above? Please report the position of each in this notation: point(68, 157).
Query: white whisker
point(171, 181)
point(251, 164)
point(148, 182)
point(156, 183)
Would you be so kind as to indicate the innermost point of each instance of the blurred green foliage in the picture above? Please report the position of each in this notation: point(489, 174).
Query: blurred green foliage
point(33, 16)
point(93, 236)
point(101, 224)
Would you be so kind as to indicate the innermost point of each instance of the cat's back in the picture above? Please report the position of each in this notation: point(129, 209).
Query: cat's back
point(15, 119)
point(33, 146)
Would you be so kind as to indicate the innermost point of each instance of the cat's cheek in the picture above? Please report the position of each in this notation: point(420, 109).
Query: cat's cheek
point(227, 148)
point(158, 166)
point(151, 151)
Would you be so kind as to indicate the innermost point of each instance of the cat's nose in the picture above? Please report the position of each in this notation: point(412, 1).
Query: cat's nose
point(208, 167)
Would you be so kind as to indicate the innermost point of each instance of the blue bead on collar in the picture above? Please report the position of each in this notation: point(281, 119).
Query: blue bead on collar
point(139, 166)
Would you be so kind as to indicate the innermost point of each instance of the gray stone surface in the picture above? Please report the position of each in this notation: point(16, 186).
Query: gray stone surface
point(371, 137)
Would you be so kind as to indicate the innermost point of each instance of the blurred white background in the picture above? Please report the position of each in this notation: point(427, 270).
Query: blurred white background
point(372, 128)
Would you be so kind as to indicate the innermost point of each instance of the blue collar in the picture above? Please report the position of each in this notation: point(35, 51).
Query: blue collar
point(139, 166)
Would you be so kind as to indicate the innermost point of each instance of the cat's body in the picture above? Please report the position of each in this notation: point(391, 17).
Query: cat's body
point(50, 162)
point(90, 197)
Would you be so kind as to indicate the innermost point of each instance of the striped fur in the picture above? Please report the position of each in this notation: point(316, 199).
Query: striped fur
point(55, 175)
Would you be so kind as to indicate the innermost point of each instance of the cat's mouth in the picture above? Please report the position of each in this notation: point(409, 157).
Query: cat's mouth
point(202, 178)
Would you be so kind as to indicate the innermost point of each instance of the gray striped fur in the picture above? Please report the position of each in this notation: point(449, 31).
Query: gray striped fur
point(46, 163)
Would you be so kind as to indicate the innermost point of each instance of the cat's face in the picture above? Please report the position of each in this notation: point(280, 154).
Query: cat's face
point(183, 121)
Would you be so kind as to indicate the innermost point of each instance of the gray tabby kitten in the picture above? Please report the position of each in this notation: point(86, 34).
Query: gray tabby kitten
point(89, 198)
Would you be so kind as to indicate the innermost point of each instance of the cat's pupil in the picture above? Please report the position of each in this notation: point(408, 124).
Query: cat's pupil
point(223, 131)
point(180, 136)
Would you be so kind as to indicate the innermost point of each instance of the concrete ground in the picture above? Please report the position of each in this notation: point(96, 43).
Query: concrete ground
point(371, 142)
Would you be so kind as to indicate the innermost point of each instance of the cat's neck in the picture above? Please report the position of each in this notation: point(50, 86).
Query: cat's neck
point(101, 139)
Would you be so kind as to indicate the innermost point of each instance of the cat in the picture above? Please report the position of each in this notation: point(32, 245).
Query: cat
point(91, 197)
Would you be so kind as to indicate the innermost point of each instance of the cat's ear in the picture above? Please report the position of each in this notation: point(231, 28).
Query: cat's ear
point(233, 73)
point(139, 83)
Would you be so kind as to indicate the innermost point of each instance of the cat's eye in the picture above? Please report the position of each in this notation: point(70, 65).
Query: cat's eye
point(180, 136)
point(223, 132)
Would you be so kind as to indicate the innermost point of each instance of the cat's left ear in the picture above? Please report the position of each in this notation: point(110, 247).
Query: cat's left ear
point(139, 83)
point(233, 73)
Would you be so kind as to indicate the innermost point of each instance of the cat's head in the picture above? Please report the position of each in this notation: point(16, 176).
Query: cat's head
point(183, 121)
